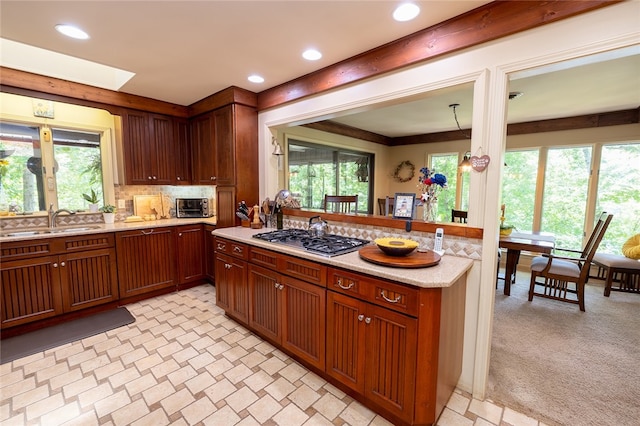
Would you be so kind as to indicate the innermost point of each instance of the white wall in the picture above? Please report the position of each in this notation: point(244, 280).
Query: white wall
point(488, 67)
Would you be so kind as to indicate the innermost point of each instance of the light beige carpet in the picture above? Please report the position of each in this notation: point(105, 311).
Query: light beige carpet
point(563, 366)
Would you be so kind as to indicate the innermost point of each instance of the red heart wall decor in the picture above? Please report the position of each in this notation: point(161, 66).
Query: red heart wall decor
point(480, 163)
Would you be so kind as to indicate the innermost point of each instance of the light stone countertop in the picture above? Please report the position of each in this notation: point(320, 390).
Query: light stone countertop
point(94, 228)
point(444, 274)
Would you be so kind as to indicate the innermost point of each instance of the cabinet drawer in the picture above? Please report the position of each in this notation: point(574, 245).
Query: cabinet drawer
point(89, 242)
point(308, 271)
point(232, 248)
point(399, 297)
point(18, 250)
point(266, 258)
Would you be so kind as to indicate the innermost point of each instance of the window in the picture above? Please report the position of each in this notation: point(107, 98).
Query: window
point(57, 167)
point(566, 185)
point(570, 192)
point(316, 170)
point(619, 193)
point(519, 188)
point(446, 164)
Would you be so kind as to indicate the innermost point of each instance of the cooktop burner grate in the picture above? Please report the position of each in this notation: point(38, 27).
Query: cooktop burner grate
point(327, 245)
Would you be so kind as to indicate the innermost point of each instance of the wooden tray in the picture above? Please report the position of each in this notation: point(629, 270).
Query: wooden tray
point(415, 259)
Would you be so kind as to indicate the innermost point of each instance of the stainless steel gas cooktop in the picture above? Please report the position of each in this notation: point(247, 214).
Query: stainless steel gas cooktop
point(328, 245)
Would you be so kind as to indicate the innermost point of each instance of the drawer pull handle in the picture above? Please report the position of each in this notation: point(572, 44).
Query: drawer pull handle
point(360, 317)
point(275, 285)
point(280, 287)
point(220, 246)
point(367, 320)
point(228, 266)
point(55, 265)
point(237, 249)
point(147, 233)
point(396, 300)
point(61, 263)
point(349, 287)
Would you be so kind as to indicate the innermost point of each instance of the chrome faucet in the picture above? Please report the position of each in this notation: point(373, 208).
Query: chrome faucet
point(54, 214)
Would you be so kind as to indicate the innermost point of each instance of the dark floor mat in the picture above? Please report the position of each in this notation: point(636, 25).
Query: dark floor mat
point(60, 334)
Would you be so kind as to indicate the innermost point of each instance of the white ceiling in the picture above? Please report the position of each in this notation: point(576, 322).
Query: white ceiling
point(183, 51)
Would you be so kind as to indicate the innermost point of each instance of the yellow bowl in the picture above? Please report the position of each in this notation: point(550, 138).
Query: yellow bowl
point(396, 246)
point(506, 231)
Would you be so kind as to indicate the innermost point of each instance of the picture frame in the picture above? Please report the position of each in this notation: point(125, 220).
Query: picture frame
point(403, 205)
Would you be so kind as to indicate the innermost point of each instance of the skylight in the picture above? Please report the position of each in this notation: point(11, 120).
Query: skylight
point(44, 62)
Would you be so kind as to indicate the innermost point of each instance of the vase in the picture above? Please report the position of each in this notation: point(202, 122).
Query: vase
point(93, 208)
point(429, 209)
point(109, 217)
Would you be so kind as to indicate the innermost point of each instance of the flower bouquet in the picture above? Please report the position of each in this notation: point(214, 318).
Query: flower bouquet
point(430, 184)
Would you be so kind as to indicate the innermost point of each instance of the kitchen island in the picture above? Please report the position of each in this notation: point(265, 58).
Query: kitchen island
point(390, 337)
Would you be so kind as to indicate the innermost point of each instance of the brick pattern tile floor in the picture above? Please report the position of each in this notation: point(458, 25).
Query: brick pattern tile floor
point(183, 362)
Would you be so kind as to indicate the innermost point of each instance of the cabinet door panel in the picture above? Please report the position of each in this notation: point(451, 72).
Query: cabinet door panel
point(303, 320)
point(136, 139)
point(223, 281)
point(345, 340)
point(264, 301)
point(391, 360)
point(183, 152)
point(190, 253)
point(210, 261)
point(146, 260)
point(30, 290)
point(240, 300)
point(204, 150)
point(226, 209)
point(89, 278)
point(225, 146)
point(163, 152)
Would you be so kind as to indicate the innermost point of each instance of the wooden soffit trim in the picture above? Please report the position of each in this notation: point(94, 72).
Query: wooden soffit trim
point(486, 23)
point(603, 119)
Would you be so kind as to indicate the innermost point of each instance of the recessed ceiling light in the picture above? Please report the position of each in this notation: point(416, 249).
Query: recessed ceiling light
point(255, 79)
point(311, 55)
point(406, 12)
point(71, 31)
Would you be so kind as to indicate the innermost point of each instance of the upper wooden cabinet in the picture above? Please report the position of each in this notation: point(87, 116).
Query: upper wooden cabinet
point(225, 148)
point(152, 149)
point(225, 153)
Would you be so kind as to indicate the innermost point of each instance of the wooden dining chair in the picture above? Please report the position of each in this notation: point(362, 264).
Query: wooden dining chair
point(340, 203)
point(563, 278)
point(385, 205)
point(459, 216)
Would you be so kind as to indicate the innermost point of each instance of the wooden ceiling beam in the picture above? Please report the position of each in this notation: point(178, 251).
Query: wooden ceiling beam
point(486, 23)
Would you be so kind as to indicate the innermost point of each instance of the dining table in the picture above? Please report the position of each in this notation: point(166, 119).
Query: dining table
point(515, 243)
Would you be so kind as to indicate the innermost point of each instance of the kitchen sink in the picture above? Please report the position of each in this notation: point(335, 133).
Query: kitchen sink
point(30, 232)
point(74, 229)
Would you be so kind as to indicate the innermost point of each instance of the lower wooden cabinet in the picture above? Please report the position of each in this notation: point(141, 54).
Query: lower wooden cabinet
point(191, 253)
point(288, 311)
point(231, 286)
point(210, 252)
point(53, 276)
point(31, 290)
point(146, 260)
point(373, 351)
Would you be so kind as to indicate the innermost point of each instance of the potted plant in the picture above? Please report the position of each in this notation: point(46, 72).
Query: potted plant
point(92, 199)
point(108, 213)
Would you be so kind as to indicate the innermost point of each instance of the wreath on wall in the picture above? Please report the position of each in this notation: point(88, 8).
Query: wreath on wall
point(404, 172)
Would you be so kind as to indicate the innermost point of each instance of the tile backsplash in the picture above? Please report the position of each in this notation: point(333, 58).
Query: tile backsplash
point(122, 192)
point(126, 193)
